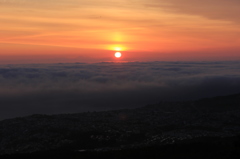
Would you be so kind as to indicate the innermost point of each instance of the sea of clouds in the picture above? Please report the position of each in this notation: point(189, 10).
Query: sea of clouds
point(77, 87)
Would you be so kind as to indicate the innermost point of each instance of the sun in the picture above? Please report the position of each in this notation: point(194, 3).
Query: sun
point(118, 54)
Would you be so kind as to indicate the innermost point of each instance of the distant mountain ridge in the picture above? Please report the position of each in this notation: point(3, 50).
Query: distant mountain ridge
point(233, 97)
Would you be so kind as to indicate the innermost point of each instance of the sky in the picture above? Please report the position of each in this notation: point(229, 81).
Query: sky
point(28, 89)
point(46, 31)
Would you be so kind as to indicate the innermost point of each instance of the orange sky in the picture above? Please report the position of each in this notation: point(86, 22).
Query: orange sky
point(90, 31)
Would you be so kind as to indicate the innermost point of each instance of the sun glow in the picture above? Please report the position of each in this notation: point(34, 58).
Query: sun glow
point(117, 48)
point(118, 54)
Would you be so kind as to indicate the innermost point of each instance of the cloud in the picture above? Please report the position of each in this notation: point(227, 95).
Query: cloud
point(72, 88)
point(227, 10)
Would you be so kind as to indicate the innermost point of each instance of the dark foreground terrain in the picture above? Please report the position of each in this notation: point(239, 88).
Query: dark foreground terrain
point(207, 128)
point(218, 148)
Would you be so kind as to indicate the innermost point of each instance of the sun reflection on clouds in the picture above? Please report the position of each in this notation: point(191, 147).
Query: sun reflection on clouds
point(117, 48)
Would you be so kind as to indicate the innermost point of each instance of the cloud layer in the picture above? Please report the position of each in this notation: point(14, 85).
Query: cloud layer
point(72, 88)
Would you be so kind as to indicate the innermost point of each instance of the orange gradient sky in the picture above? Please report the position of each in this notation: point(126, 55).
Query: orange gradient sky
point(91, 31)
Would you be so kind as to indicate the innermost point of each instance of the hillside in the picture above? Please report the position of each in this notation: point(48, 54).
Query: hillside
point(211, 121)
